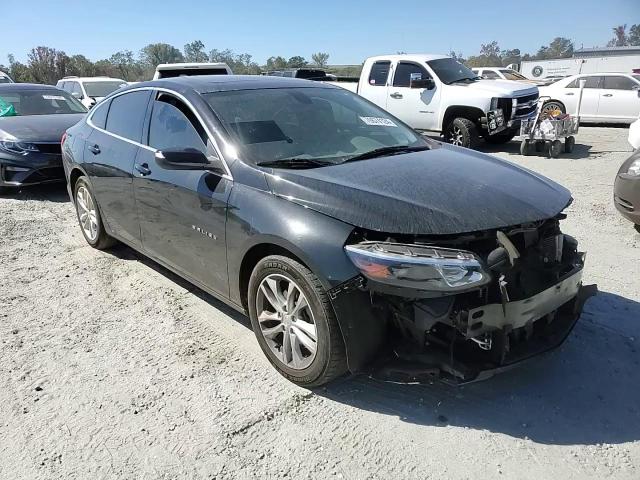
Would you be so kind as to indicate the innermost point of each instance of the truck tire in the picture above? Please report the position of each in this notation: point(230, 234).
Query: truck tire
point(463, 133)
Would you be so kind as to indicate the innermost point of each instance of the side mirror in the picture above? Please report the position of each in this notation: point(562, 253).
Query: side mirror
point(76, 95)
point(427, 83)
point(187, 159)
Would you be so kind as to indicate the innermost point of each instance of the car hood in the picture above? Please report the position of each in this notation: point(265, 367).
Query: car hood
point(37, 128)
point(445, 190)
point(504, 88)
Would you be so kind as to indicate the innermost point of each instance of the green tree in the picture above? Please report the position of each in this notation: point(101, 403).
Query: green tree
point(620, 38)
point(457, 56)
point(634, 35)
point(47, 65)
point(125, 65)
point(510, 56)
point(296, 62)
point(19, 71)
point(560, 47)
point(240, 64)
point(81, 66)
point(276, 63)
point(195, 52)
point(489, 56)
point(320, 59)
point(156, 53)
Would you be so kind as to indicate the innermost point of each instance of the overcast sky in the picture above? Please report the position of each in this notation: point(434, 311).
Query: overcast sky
point(349, 30)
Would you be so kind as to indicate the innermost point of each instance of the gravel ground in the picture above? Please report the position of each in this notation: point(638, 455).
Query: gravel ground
point(112, 367)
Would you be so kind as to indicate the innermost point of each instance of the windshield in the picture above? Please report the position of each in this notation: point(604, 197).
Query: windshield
point(102, 89)
point(327, 124)
point(449, 70)
point(513, 75)
point(637, 77)
point(38, 102)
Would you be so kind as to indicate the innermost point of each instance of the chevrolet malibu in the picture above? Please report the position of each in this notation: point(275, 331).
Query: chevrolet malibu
point(352, 243)
point(33, 118)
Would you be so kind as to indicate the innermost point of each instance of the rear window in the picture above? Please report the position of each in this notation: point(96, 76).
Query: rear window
point(126, 114)
point(379, 73)
point(182, 72)
point(101, 89)
point(99, 114)
point(590, 82)
point(618, 82)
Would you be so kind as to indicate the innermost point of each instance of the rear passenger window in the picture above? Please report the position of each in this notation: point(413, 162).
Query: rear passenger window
point(126, 114)
point(591, 82)
point(173, 125)
point(99, 115)
point(379, 73)
point(619, 83)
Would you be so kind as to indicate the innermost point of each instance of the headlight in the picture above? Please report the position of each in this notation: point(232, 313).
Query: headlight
point(634, 168)
point(20, 148)
point(418, 267)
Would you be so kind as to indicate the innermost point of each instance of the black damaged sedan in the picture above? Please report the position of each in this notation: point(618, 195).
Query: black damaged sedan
point(353, 243)
point(33, 119)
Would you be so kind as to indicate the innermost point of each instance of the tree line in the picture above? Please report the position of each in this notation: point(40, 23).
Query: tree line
point(48, 65)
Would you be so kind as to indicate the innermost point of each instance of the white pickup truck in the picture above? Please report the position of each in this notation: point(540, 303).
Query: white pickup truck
point(437, 93)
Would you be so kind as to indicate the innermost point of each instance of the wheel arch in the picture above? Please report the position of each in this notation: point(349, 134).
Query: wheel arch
point(456, 111)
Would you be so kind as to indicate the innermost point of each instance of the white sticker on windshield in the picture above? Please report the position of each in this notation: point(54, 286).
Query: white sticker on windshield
point(54, 97)
point(378, 121)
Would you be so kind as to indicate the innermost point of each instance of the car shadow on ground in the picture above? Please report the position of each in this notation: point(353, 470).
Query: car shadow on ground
point(51, 192)
point(586, 392)
point(513, 147)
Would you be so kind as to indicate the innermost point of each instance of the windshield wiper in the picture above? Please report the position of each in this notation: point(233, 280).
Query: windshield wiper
point(295, 163)
point(465, 79)
point(385, 151)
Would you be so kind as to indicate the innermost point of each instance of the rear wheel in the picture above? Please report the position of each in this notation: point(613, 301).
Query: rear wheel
point(294, 322)
point(89, 216)
point(462, 132)
point(553, 108)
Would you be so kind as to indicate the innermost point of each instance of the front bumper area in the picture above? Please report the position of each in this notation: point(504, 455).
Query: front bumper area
point(30, 170)
point(626, 197)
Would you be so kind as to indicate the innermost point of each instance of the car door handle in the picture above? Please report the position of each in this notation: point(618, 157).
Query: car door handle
point(142, 168)
point(607, 95)
point(95, 149)
point(570, 93)
point(396, 95)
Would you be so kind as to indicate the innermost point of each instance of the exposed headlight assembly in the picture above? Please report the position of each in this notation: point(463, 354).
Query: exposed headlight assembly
point(634, 168)
point(19, 148)
point(418, 267)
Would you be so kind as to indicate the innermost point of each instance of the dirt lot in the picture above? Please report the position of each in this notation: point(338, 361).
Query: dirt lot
point(112, 367)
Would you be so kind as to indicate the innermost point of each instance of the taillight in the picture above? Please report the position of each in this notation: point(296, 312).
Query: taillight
point(62, 140)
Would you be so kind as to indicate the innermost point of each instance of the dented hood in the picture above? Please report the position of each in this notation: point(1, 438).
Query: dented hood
point(445, 190)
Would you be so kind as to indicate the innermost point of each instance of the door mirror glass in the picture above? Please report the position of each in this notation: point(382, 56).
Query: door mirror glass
point(427, 83)
point(187, 159)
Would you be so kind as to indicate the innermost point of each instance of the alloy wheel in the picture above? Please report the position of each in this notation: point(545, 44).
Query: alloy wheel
point(286, 321)
point(87, 213)
point(456, 137)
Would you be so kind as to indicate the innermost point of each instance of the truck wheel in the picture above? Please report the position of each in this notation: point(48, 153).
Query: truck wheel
point(463, 133)
point(294, 322)
point(500, 138)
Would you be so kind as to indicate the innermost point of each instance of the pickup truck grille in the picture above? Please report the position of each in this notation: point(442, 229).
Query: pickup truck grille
point(524, 106)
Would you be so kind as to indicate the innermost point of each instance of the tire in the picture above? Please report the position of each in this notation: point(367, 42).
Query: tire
point(7, 190)
point(463, 133)
point(500, 138)
point(525, 148)
point(569, 143)
point(553, 106)
point(540, 145)
point(311, 369)
point(91, 225)
point(555, 148)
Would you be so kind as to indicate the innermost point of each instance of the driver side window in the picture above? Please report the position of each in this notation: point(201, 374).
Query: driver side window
point(406, 71)
point(173, 125)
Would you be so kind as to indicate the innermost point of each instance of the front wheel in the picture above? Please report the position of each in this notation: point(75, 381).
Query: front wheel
point(89, 216)
point(294, 322)
point(463, 133)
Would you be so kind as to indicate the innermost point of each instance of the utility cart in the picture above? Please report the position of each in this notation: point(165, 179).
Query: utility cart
point(546, 132)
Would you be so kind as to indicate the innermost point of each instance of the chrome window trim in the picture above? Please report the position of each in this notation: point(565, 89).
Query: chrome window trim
point(181, 97)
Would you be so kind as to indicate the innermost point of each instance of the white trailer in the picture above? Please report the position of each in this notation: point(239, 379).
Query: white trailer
point(541, 69)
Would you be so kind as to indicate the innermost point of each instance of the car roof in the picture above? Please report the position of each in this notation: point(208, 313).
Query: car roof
point(223, 83)
point(26, 86)
point(91, 79)
point(411, 57)
point(598, 74)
